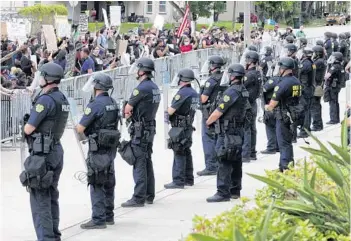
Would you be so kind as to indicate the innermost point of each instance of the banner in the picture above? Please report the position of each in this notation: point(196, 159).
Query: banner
point(105, 18)
point(83, 24)
point(115, 15)
point(16, 31)
point(3, 30)
point(63, 30)
point(49, 37)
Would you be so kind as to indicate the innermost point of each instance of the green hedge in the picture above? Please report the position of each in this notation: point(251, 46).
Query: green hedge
point(41, 11)
point(310, 202)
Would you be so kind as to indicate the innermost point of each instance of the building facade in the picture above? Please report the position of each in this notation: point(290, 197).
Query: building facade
point(148, 9)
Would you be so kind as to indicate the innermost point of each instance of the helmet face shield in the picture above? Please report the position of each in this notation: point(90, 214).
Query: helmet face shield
point(225, 81)
point(175, 81)
point(133, 70)
point(205, 67)
point(331, 59)
point(89, 85)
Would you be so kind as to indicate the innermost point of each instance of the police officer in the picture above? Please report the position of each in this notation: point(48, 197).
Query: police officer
point(320, 43)
point(334, 81)
point(328, 43)
point(289, 39)
point(266, 61)
point(100, 124)
point(316, 107)
point(45, 126)
point(285, 101)
point(301, 47)
point(344, 48)
point(291, 52)
point(335, 42)
point(307, 74)
point(141, 111)
point(269, 118)
point(210, 95)
point(229, 117)
point(182, 112)
point(252, 82)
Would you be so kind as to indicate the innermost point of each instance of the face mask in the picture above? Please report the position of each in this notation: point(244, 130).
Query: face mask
point(186, 42)
point(209, 37)
point(96, 52)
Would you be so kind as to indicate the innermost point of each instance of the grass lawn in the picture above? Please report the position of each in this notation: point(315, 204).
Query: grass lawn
point(93, 27)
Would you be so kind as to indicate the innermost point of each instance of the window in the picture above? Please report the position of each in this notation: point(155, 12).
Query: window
point(225, 6)
point(149, 7)
point(83, 6)
point(37, 2)
point(25, 3)
point(162, 7)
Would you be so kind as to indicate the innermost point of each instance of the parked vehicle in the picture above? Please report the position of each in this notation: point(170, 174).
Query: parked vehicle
point(335, 18)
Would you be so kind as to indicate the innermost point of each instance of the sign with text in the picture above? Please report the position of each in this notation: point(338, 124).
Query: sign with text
point(115, 15)
point(16, 31)
point(83, 23)
point(50, 37)
point(63, 30)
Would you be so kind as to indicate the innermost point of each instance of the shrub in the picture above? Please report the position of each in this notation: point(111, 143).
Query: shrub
point(40, 11)
point(310, 202)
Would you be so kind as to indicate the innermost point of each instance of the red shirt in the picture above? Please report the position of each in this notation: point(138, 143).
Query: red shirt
point(186, 48)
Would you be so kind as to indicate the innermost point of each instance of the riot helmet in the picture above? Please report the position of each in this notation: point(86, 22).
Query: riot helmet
point(318, 52)
point(184, 75)
point(98, 81)
point(327, 35)
point(291, 49)
point(251, 57)
point(235, 71)
point(267, 51)
point(144, 65)
point(303, 42)
point(307, 53)
point(320, 43)
point(336, 57)
point(347, 34)
point(252, 48)
point(342, 36)
point(213, 64)
point(52, 74)
point(289, 39)
point(285, 64)
point(334, 36)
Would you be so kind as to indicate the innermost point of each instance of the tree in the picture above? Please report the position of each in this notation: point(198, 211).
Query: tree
point(200, 9)
point(277, 10)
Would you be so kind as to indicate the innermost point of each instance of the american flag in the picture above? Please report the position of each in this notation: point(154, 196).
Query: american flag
point(185, 22)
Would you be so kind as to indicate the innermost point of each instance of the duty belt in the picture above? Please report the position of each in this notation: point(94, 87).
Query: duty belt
point(181, 121)
point(226, 125)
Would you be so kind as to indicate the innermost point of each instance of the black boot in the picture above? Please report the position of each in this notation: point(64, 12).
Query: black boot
point(268, 151)
point(172, 185)
point(217, 198)
point(92, 225)
point(131, 204)
point(302, 134)
point(206, 172)
point(110, 222)
point(245, 159)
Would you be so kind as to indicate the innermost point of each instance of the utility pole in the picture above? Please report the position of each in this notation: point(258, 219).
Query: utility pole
point(234, 15)
point(247, 12)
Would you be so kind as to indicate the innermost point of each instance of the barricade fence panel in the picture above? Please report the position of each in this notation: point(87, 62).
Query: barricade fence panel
point(166, 68)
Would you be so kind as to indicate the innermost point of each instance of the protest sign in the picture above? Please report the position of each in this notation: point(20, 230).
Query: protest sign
point(3, 30)
point(83, 23)
point(63, 30)
point(122, 47)
point(105, 18)
point(49, 37)
point(115, 15)
point(159, 22)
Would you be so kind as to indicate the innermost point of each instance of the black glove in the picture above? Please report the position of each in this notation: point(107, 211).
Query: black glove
point(25, 118)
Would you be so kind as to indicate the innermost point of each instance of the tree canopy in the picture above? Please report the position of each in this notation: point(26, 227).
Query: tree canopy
point(40, 11)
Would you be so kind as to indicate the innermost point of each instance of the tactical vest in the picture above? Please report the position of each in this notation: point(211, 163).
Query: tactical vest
point(254, 89)
point(265, 69)
point(320, 71)
point(217, 89)
point(55, 125)
point(237, 111)
point(330, 49)
point(306, 78)
point(108, 120)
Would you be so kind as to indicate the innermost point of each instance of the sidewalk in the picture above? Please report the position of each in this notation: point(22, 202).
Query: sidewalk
point(168, 219)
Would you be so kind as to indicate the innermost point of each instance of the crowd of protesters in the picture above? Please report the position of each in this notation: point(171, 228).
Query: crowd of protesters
point(99, 51)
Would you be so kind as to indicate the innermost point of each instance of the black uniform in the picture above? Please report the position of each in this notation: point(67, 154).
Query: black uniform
point(332, 88)
point(49, 115)
point(287, 92)
point(306, 76)
point(264, 66)
point(101, 118)
point(185, 102)
point(316, 107)
point(233, 105)
point(214, 91)
point(252, 83)
point(269, 118)
point(145, 100)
